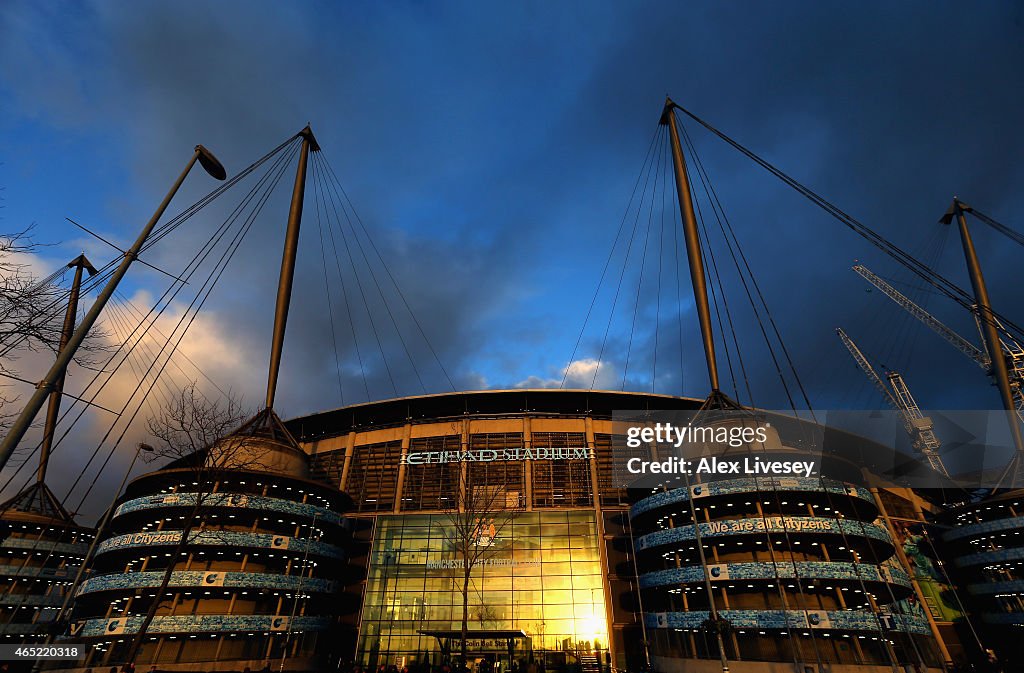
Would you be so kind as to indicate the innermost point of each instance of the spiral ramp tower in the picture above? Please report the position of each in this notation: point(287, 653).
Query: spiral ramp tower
point(801, 573)
point(986, 549)
point(42, 548)
point(256, 582)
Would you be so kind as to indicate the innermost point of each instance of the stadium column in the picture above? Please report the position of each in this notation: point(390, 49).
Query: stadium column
point(609, 614)
point(464, 447)
point(840, 598)
point(722, 589)
point(905, 562)
point(528, 465)
point(400, 486)
point(350, 444)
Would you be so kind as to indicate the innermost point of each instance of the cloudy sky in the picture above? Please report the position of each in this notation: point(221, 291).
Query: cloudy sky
point(491, 151)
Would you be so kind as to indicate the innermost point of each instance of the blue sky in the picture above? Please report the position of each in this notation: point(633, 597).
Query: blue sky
point(492, 148)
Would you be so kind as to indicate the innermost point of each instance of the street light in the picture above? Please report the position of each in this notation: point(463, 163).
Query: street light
point(20, 426)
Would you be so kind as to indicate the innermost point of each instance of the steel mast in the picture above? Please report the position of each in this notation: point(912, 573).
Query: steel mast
point(700, 295)
point(693, 252)
point(989, 331)
point(47, 385)
point(79, 264)
point(291, 247)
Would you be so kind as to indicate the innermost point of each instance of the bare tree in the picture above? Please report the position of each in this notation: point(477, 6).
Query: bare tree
point(31, 312)
point(476, 520)
point(23, 298)
point(193, 423)
point(24, 324)
point(195, 432)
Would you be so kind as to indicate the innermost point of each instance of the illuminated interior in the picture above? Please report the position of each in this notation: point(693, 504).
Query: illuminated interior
point(541, 575)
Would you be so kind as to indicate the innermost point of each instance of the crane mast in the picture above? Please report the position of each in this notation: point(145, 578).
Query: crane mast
point(933, 323)
point(1012, 349)
point(898, 396)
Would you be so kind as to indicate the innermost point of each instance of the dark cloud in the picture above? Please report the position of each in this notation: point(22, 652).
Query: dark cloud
point(492, 153)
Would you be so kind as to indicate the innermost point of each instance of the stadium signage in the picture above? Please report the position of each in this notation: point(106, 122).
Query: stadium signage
point(771, 523)
point(452, 564)
point(494, 455)
point(171, 537)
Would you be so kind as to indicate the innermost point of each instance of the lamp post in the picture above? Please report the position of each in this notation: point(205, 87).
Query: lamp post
point(67, 353)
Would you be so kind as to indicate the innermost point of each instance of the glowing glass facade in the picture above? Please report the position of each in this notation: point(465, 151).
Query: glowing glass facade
point(541, 574)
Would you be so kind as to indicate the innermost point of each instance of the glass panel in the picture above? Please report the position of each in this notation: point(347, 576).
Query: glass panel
point(543, 576)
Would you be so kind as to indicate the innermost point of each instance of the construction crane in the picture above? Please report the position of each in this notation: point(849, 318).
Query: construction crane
point(898, 396)
point(1012, 349)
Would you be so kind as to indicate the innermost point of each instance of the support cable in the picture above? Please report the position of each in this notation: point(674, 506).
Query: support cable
point(737, 255)
point(380, 292)
point(657, 293)
point(611, 253)
point(618, 287)
point(944, 285)
point(166, 391)
point(362, 294)
point(344, 289)
point(1014, 236)
point(643, 266)
point(902, 337)
point(135, 314)
point(327, 287)
point(387, 270)
point(715, 278)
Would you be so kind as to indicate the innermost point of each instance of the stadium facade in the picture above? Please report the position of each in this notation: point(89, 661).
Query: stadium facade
point(344, 551)
point(564, 584)
point(258, 579)
point(766, 573)
point(985, 548)
point(42, 549)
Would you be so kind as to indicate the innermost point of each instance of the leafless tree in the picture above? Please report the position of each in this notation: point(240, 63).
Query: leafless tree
point(193, 423)
point(195, 432)
point(475, 522)
point(31, 312)
point(24, 325)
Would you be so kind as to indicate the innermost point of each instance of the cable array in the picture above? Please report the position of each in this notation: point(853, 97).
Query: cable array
point(142, 351)
point(639, 259)
point(363, 284)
